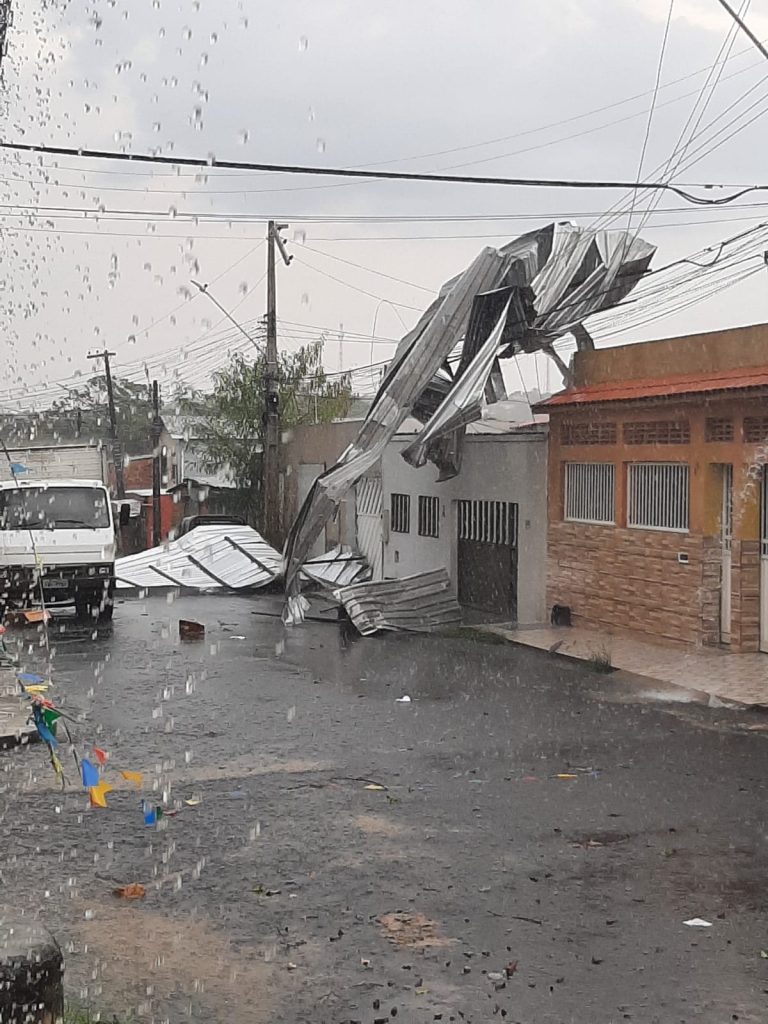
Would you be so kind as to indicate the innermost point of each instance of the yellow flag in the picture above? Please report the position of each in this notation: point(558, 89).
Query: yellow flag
point(98, 794)
point(135, 777)
point(37, 688)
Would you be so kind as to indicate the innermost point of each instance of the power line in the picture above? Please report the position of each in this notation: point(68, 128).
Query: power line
point(652, 110)
point(744, 28)
point(349, 172)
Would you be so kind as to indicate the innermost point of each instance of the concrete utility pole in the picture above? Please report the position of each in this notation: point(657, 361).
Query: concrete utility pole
point(270, 490)
point(157, 429)
point(117, 451)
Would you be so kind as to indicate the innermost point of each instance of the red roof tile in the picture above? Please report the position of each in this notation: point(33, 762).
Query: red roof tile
point(661, 387)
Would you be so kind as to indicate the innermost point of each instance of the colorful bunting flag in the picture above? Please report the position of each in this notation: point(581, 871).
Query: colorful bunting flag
point(43, 731)
point(135, 777)
point(29, 677)
point(100, 755)
point(90, 773)
point(149, 812)
point(50, 715)
point(98, 794)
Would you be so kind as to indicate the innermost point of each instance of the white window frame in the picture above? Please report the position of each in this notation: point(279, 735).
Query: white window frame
point(665, 489)
point(580, 483)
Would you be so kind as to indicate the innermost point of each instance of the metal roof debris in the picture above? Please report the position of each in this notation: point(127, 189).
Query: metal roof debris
point(418, 604)
point(520, 298)
point(228, 557)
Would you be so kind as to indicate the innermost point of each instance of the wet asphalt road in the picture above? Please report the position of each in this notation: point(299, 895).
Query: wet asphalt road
point(291, 892)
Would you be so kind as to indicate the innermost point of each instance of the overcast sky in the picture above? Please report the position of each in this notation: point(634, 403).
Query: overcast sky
point(338, 82)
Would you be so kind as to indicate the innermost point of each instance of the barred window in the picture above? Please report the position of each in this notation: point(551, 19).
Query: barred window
point(658, 496)
point(587, 433)
point(657, 432)
point(590, 492)
point(429, 516)
point(401, 513)
point(490, 522)
point(755, 429)
point(718, 429)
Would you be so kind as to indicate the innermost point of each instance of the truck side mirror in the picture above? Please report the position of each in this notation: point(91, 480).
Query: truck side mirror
point(125, 514)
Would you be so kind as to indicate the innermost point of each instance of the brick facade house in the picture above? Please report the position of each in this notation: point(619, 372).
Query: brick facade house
point(658, 496)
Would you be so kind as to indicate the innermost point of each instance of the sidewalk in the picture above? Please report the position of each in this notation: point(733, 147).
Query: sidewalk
point(735, 677)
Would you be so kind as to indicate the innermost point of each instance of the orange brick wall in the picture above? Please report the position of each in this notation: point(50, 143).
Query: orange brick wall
point(614, 576)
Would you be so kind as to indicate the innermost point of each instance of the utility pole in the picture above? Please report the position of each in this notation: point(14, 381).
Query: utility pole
point(157, 429)
point(117, 451)
point(270, 491)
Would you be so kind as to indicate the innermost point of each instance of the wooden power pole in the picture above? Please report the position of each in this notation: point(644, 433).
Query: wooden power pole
point(157, 429)
point(117, 451)
point(270, 491)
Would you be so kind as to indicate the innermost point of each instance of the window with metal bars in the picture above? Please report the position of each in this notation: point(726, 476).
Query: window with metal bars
point(657, 496)
point(718, 429)
point(755, 429)
point(589, 492)
point(587, 433)
point(400, 513)
point(429, 516)
point(657, 432)
point(490, 522)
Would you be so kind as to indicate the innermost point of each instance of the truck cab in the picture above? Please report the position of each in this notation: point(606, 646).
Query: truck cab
point(58, 535)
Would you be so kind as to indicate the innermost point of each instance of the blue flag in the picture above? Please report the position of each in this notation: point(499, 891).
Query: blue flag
point(149, 812)
point(90, 773)
point(18, 467)
point(43, 731)
point(29, 677)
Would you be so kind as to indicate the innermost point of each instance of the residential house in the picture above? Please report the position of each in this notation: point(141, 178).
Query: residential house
point(486, 526)
point(658, 489)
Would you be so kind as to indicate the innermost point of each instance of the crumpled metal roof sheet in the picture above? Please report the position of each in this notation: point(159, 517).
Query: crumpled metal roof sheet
point(548, 282)
point(230, 557)
point(417, 604)
point(207, 558)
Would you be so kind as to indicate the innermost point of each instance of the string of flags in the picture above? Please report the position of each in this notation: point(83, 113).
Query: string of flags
point(91, 768)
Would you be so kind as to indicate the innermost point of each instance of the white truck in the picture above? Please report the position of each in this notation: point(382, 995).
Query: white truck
point(57, 533)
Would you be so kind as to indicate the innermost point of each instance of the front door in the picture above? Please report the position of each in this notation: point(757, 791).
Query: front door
point(726, 536)
point(487, 557)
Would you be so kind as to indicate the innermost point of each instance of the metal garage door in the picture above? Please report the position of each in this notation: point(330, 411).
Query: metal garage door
point(487, 557)
point(370, 539)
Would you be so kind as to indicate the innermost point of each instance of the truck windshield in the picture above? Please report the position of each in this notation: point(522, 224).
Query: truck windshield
point(51, 508)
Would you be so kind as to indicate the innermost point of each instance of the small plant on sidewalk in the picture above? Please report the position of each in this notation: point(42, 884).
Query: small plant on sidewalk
point(600, 660)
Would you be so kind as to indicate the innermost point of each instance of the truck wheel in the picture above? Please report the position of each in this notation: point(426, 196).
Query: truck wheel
point(105, 613)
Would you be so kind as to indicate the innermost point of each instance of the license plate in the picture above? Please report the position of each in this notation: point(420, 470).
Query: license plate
point(55, 584)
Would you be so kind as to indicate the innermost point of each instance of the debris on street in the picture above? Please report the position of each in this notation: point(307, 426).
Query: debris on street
point(133, 891)
point(419, 603)
point(191, 630)
point(403, 700)
point(698, 922)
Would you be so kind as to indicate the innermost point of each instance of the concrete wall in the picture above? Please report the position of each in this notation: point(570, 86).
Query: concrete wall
point(496, 467)
point(693, 353)
point(318, 445)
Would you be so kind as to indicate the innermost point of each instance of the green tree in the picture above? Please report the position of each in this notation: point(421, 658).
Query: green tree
point(84, 413)
point(231, 419)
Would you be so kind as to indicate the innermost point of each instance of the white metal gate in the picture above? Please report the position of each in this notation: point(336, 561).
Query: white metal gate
point(370, 538)
point(307, 474)
point(764, 563)
point(726, 536)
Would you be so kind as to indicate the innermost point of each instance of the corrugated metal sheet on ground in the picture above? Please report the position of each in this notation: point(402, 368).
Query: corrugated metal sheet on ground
point(661, 387)
point(417, 603)
point(207, 558)
point(337, 568)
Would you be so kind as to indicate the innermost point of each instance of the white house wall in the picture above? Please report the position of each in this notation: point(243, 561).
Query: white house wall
point(509, 467)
